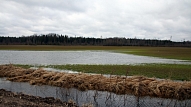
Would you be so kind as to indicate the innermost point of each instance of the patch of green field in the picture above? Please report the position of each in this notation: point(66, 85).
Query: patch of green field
point(164, 52)
point(165, 71)
point(24, 66)
point(182, 53)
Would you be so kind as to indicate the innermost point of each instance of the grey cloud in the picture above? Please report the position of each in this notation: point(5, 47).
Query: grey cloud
point(90, 18)
point(63, 5)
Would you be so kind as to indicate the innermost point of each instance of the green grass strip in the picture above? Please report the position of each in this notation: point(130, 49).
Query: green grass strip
point(163, 71)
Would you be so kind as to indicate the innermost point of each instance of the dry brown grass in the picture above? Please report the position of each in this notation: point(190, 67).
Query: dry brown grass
point(137, 85)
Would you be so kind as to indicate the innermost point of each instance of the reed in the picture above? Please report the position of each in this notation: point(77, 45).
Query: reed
point(137, 85)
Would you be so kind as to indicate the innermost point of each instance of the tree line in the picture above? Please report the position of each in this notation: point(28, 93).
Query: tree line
point(56, 39)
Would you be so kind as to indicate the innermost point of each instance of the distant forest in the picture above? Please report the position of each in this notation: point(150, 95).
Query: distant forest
point(56, 39)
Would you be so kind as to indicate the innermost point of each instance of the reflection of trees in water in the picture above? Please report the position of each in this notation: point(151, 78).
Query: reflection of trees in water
point(109, 99)
point(97, 98)
point(63, 94)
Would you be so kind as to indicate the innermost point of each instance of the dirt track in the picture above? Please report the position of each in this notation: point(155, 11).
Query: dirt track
point(10, 99)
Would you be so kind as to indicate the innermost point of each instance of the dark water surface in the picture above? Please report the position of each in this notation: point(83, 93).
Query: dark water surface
point(77, 57)
point(97, 98)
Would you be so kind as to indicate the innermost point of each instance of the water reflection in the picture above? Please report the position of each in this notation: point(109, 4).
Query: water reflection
point(97, 98)
point(77, 57)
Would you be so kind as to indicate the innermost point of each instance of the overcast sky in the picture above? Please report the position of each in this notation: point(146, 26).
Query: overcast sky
point(149, 19)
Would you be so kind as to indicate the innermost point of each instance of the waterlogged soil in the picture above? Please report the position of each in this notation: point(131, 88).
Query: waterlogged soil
point(10, 99)
point(92, 97)
point(138, 85)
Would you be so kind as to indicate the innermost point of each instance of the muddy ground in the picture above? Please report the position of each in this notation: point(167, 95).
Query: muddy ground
point(10, 99)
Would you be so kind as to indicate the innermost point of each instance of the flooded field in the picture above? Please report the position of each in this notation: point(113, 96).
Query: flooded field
point(78, 57)
point(95, 97)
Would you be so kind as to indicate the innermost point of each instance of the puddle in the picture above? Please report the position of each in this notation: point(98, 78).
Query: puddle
point(55, 70)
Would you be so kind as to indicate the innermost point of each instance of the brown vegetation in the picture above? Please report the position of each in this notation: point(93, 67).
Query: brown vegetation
point(137, 85)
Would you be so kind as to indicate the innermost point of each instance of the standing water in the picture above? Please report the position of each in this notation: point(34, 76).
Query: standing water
point(97, 98)
point(77, 57)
